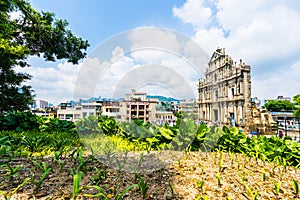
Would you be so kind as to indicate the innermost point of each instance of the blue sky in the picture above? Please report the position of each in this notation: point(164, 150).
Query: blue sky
point(98, 20)
point(264, 33)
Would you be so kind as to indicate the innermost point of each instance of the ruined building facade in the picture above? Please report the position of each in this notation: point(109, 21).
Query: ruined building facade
point(225, 92)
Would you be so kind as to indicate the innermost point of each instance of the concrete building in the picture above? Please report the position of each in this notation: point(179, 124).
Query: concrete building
point(40, 105)
point(163, 117)
point(92, 108)
point(225, 92)
point(69, 112)
point(137, 106)
point(188, 106)
point(111, 109)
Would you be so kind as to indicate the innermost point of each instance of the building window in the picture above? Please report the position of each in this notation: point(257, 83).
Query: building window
point(77, 116)
point(69, 116)
point(216, 95)
point(239, 89)
point(84, 114)
point(141, 107)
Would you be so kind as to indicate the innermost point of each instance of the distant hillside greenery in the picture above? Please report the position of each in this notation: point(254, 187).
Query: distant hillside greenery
point(161, 98)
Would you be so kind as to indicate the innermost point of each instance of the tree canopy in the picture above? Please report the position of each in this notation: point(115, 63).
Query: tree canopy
point(279, 105)
point(31, 33)
point(296, 100)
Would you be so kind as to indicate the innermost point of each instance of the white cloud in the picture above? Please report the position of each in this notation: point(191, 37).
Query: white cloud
point(146, 76)
point(263, 33)
point(52, 84)
point(194, 12)
point(278, 82)
point(149, 37)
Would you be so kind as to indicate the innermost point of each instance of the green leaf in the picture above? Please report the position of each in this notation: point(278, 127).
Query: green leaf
point(167, 133)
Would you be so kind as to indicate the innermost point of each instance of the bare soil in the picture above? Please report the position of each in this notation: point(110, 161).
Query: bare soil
point(194, 175)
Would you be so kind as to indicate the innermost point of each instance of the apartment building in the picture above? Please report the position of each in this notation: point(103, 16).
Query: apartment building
point(111, 109)
point(188, 106)
point(162, 117)
point(69, 112)
point(137, 106)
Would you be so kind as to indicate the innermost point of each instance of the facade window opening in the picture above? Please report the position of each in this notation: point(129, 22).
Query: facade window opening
point(216, 95)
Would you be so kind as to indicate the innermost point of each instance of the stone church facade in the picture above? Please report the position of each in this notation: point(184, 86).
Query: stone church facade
point(225, 92)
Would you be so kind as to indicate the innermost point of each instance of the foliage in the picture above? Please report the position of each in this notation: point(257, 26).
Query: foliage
point(279, 105)
point(32, 141)
point(25, 121)
point(189, 136)
point(271, 149)
point(296, 100)
point(137, 136)
point(31, 33)
point(19, 121)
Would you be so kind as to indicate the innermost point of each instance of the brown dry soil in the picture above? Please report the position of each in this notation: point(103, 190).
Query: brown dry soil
point(193, 175)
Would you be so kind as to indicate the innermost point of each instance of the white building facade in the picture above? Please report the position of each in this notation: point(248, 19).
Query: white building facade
point(225, 92)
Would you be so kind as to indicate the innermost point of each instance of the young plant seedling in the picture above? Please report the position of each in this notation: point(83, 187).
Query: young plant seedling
point(100, 175)
point(12, 171)
point(143, 187)
point(140, 161)
point(200, 184)
point(219, 179)
point(76, 184)
point(221, 162)
point(295, 186)
point(9, 194)
point(45, 169)
point(172, 189)
point(254, 195)
point(263, 174)
point(277, 187)
point(42, 178)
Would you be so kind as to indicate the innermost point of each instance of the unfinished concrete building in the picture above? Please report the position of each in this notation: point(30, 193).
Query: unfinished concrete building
point(225, 92)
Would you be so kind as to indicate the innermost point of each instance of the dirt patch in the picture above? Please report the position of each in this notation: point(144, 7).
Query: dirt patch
point(193, 175)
